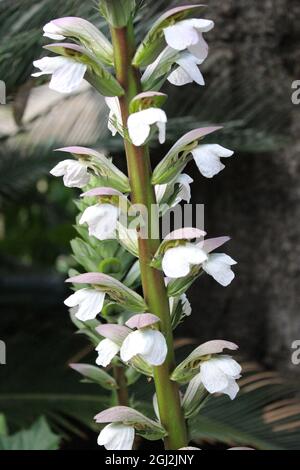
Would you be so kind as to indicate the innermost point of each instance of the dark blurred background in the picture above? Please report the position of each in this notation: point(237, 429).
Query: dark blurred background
point(254, 59)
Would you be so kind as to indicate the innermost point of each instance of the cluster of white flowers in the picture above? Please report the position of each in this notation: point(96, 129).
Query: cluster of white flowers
point(140, 337)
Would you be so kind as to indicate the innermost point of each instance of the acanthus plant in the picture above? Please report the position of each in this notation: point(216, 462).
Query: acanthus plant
point(132, 332)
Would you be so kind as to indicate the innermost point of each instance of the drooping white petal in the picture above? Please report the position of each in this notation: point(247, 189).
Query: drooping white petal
point(68, 78)
point(232, 389)
point(184, 194)
point(219, 374)
point(148, 343)
point(115, 117)
point(107, 350)
point(89, 302)
point(187, 33)
point(229, 366)
point(177, 261)
point(181, 35)
point(218, 265)
point(102, 220)
point(75, 173)
point(139, 125)
point(199, 50)
point(207, 158)
point(164, 192)
point(187, 72)
point(67, 74)
point(52, 31)
point(116, 436)
point(48, 65)
point(212, 377)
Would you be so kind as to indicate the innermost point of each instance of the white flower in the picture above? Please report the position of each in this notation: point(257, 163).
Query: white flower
point(178, 261)
point(115, 117)
point(219, 375)
point(218, 265)
point(116, 436)
point(187, 72)
point(67, 74)
point(184, 193)
point(102, 220)
point(107, 350)
point(147, 343)
point(89, 301)
point(187, 34)
point(207, 158)
point(75, 173)
point(139, 125)
point(52, 31)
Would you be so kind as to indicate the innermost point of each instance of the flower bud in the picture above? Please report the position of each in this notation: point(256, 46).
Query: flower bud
point(95, 375)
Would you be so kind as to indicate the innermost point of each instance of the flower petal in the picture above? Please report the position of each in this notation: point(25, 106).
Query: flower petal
point(212, 377)
point(107, 350)
point(75, 173)
point(232, 389)
point(229, 366)
point(185, 191)
point(218, 265)
point(102, 221)
point(179, 77)
point(116, 436)
point(190, 65)
point(53, 32)
point(177, 261)
point(89, 301)
point(207, 158)
point(209, 164)
point(139, 124)
point(181, 35)
point(68, 77)
point(199, 50)
point(150, 344)
point(48, 65)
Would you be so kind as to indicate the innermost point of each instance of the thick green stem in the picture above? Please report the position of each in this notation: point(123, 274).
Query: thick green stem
point(142, 192)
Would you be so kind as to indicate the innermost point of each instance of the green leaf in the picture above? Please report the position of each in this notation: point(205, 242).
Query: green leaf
point(85, 255)
point(38, 437)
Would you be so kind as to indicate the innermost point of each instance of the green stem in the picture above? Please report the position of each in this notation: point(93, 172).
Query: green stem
point(142, 192)
point(122, 391)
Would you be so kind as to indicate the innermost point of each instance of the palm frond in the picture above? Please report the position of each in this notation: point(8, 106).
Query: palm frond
point(265, 415)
